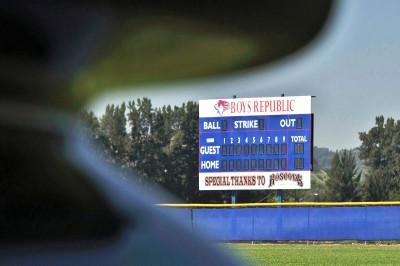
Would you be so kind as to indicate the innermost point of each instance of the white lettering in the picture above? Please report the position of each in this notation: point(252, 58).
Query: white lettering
point(299, 138)
point(209, 149)
point(245, 124)
point(209, 164)
point(287, 122)
point(211, 125)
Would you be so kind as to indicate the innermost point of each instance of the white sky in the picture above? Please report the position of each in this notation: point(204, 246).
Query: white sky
point(353, 69)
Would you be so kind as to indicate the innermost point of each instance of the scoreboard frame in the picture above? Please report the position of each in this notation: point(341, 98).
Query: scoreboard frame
point(255, 143)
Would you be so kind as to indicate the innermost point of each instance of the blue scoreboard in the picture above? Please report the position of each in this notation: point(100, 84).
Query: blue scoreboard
point(255, 143)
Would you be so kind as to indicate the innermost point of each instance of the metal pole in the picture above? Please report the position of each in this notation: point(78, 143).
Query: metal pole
point(279, 192)
point(279, 195)
point(233, 193)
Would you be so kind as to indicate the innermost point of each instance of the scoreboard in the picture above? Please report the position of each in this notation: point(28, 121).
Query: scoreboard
point(255, 143)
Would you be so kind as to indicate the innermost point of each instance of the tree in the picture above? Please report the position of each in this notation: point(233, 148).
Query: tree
point(343, 182)
point(380, 151)
point(114, 140)
point(90, 127)
point(322, 158)
point(145, 146)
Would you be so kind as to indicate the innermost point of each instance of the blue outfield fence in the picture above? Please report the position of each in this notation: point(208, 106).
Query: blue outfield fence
point(294, 223)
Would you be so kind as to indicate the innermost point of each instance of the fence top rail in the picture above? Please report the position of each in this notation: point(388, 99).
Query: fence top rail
point(284, 204)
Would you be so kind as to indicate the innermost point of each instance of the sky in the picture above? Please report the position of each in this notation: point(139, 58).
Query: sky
point(353, 69)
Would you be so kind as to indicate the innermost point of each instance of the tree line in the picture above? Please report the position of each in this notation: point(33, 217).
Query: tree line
point(160, 145)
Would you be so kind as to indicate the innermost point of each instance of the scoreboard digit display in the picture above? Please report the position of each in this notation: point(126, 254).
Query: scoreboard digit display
point(255, 143)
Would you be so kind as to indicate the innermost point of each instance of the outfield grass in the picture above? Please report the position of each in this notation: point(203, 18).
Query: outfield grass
point(318, 254)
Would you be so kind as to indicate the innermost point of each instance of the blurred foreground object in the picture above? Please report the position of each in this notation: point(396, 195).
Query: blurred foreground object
point(62, 53)
point(59, 205)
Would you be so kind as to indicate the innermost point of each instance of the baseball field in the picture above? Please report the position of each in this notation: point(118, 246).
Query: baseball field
point(314, 253)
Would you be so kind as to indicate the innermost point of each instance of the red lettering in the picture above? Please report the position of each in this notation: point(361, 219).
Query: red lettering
point(240, 107)
point(256, 106)
point(279, 106)
point(268, 106)
point(249, 106)
point(233, 107)
point(290, 105)
point(262, 106)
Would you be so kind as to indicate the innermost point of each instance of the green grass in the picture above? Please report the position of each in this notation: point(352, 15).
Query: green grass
point(318, 254)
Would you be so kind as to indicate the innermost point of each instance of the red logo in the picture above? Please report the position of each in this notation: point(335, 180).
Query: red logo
point(221, 106)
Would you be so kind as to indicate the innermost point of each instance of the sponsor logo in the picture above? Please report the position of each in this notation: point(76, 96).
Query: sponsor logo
point(221, 106)
point(285, 177)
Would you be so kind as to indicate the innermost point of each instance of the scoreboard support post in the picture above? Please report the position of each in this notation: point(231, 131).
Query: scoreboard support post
point(233, 192)
point(233, 197)
point(279, 191)
point(279, 196)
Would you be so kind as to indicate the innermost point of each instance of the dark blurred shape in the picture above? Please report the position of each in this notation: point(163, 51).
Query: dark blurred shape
point(45, 43)
point(42, 197)
point(59, 205)
point(298, 22)
point(55, 198)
